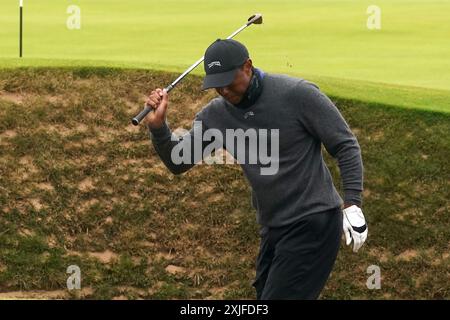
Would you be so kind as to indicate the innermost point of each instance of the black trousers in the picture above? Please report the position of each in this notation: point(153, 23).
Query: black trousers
point(295, 261)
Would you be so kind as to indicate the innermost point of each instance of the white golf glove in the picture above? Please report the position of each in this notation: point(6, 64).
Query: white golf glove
point(355, 227)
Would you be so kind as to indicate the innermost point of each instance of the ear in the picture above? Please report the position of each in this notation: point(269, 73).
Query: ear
point(248, 66)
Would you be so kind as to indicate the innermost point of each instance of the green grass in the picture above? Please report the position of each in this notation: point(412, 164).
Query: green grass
point(80, 185)
point(403, 64)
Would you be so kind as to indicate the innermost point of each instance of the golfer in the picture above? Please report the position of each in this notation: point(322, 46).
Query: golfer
point(298, 208)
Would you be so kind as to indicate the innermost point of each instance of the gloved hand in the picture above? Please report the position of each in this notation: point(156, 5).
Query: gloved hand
point(355, 227)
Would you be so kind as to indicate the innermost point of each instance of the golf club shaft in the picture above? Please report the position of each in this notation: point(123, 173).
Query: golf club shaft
point(136, 120)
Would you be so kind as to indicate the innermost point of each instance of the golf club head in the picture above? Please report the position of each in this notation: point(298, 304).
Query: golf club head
point(256, 19)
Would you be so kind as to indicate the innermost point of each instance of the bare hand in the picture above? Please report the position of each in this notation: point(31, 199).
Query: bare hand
point(158, 100)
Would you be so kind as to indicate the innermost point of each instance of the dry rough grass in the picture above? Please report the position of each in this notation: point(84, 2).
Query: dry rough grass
point(81, 186)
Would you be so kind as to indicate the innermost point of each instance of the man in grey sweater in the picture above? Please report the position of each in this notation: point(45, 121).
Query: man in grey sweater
point(298, 207)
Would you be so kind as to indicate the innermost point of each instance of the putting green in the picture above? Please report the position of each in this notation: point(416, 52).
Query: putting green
point(405, 63)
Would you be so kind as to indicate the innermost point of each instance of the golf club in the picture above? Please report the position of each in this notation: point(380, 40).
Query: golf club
point(254, 19)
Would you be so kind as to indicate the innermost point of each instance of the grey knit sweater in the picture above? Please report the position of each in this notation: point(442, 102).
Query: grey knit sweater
point(305, 119)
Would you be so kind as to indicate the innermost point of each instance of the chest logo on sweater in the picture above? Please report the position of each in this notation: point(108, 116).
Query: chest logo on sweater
point(258, 147)
point(248, 114)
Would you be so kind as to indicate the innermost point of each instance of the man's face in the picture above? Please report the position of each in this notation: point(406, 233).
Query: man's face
point(234, 92)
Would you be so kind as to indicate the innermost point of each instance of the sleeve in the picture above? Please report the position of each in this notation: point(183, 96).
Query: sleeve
point(322, 120)
point(180, 153)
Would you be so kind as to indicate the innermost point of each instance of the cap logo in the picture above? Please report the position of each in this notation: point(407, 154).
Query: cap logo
point(214, 63)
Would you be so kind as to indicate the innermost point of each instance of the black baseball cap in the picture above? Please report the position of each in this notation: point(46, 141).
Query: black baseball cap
point(222, 60)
